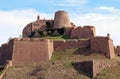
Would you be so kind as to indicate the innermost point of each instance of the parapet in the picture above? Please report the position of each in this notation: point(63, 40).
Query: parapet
point(30, 39)
point(83, 32)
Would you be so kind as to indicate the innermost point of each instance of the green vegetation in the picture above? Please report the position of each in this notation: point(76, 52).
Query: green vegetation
point(57, 37)
point(32, 34)
point(68, 64)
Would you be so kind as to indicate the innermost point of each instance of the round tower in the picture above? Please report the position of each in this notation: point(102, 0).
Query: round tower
point(61, 19)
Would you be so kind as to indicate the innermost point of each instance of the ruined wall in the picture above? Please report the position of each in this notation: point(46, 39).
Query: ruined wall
point(99, 65)
point(103, 45)
point(6, 52)
point(27, 30)
point(93, 67)
point(117, 50)
point(69, 44)
point(41, 24)
point(37, 25)
point(61, 19)
point(31, 51)
point(83, 32)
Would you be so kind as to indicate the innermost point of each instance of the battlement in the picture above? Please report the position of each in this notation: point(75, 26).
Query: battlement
point(31, 39)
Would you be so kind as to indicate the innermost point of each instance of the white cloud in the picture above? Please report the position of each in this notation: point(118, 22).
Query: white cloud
point(71, 3)
point(13, 22)
point(110, 9)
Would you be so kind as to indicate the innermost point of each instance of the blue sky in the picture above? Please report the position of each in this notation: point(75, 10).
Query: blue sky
point(103, 14)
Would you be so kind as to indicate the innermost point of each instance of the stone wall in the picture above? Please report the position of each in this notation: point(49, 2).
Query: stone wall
point(93, 67)
point(6, 52)
point(69, 44)
point(83, 32)
point(26, 51)
point(27, 30)
point(117, 50)
point(103, 45)
point(41, 24)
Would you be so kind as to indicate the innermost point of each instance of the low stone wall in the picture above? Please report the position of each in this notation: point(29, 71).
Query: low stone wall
point(69, 44)
point(93, 67)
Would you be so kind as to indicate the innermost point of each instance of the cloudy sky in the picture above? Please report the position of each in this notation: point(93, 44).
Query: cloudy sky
point(103, 14)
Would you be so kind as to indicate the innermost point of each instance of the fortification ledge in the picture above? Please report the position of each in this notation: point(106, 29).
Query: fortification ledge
point(30, 39)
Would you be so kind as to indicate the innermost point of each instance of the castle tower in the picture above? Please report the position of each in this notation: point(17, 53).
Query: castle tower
point(61, 19)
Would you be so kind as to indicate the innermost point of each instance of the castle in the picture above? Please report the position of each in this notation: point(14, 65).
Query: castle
point(32, 49)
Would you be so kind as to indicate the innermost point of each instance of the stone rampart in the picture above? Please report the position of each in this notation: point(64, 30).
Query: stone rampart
point(83, 32)
point(26, 51)
point(117, 50)
point(103, 45)
point(69, 44)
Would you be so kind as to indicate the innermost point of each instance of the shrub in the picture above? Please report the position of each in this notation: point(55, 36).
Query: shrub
point(32, 34)
point(41, 33)
point(61, 31)
point(47, 25)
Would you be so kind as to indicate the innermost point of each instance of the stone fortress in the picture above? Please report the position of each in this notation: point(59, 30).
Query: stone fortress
point(32, 49)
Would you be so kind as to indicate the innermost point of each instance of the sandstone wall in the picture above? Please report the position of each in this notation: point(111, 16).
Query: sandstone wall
point(6, 52)
point(32, 51)
point(26, 51)
point(41, 24)
point(61, 19)
point(117, 50)
point(103, 45)
point(83, 32)
point(27, 30)
point(69, 44)
point(93, 67)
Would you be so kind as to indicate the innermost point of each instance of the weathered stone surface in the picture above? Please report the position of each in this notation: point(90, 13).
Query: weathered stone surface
point(93, 67)
point(69, 44)
point(26, 51)
point(83, 32)
point(103, 45)
point(117, 50)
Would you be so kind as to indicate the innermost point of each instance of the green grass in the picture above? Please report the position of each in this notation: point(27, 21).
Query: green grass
point(58, 37)
point(109, 73)
point(68, 64)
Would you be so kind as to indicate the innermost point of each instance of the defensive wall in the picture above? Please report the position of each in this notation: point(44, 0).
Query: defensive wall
point(83, 32)
point(117, 50)
point(103, 45)
point(26, 51)
point(33, 50)
point(71, 43)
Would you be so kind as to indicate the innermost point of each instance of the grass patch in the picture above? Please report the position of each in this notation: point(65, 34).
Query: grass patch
point(58, 37)
point(68, 64)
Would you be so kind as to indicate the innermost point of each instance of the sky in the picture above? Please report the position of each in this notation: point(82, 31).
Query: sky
point(103, 14)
